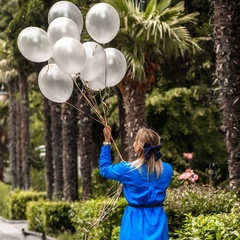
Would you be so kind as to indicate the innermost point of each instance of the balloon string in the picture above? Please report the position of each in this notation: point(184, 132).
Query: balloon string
point(108, 206)
point(91, 102)
point(83, 112)
point(94, 105)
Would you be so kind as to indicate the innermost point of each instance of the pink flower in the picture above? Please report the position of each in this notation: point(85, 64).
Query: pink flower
point(189, 175)
point(188, 156)
point(193, 178)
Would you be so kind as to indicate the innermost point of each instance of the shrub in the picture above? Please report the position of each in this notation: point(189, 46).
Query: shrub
point(115, 233)
point(56, 217)
point(4, 189)
point(85, 218)
point(35, 216)
point(196, 199)
point(51, 217)
point(17, 204)
point(216, 226)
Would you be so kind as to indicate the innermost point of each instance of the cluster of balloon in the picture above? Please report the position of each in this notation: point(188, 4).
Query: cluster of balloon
point(97, 67)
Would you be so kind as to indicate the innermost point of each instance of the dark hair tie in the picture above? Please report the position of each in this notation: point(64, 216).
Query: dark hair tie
point(149, 149)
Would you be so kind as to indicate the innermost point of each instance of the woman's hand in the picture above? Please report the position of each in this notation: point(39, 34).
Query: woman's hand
point(107, 132)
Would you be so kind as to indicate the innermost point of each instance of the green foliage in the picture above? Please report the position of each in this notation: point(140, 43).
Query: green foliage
point(115, 233)
point(157, 32)
point(29, 13)
point(186, 208)
point(217, 226)
point(188, 121)
point(17, 203)
point(197, 69)
point(196, 199)
point(56, 217)
point(7, 10)
point(35, 215)
point(86, 216)
point(4, 189)
point(51, 217)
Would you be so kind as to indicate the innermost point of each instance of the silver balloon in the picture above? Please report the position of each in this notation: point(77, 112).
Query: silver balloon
point(62, 27)
point(116, 67)
point(95, 61)
point(95, 85)
point(55, 85)
point(68, 10)
point(102, 22)
point(69, 54)
point(34, 45)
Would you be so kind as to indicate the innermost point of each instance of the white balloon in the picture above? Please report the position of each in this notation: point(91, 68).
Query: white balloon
point(69, 54)
point(34, 45)
point(62, 27)
point(102, 22)
point(116, 67)
point(55, 85)
point(95, 61)
point(95, 85)
point(68, 10)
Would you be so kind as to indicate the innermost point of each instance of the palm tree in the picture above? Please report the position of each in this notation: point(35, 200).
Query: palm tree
point(226, 39)
point(48, 159)
point(146, 39)
point(85, 146)
point(56, 128)
point(69, 135)
point(24, 103)
point(17, 125)
point(12, 132)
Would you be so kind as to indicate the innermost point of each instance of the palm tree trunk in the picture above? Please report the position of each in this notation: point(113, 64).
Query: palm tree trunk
point(25, 130)
point(18, 155)
point(122, 116)
point(12, 131)
point(48, 159)
point(70, 173)
point(85, 147)
point(227, 45)
point(57, 150)
point(134, 99)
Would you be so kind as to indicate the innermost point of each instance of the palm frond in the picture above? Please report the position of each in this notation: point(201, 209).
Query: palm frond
point(160, 27)
point(135, 59)
point(163, 5)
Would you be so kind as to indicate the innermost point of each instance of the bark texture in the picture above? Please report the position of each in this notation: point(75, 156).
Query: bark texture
point(227, 48)
point(70, 175)
point(48, 159)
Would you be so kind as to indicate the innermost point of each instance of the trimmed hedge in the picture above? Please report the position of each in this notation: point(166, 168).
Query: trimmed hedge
point(182, 203)
point(217, 226)
point(35, 216)
point(17, 203)
point(51, 217)
point(59, 217)
point(56, 217)
point(4, 189)
point(85, 218)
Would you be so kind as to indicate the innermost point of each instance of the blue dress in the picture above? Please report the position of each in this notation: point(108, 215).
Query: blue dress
point(147, 223)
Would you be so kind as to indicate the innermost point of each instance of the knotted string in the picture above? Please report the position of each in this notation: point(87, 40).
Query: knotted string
point(149, 149)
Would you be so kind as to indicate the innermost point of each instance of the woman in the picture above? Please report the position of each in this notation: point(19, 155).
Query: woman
point(145, 181)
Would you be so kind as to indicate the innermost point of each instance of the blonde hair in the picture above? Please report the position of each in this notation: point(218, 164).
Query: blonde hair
point(146, 135)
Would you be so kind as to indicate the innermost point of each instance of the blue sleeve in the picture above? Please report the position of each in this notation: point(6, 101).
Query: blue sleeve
point(109, 170)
